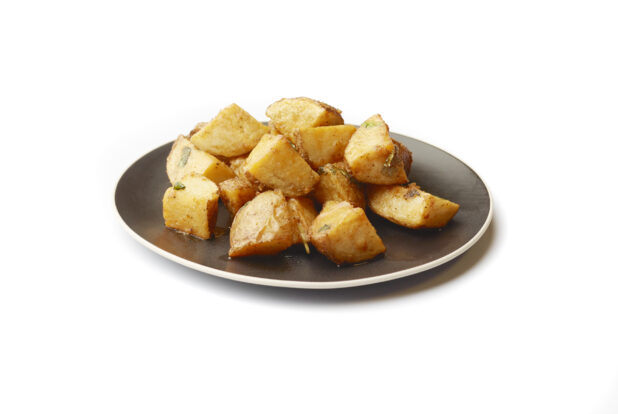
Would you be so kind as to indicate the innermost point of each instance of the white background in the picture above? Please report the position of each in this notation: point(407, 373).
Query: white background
point(525, 92)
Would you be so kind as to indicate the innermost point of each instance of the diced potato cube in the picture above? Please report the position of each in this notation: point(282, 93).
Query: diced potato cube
point(409, 206)
point(372, 156)
point(190, 206)
point(231, 133)
point(185, 158)
point(323, 145)
point(336, 184)
point(304, 213)
point(289, 114)
point(275, 164)
point(344, 234)
point(235, 192)
point(262, 226)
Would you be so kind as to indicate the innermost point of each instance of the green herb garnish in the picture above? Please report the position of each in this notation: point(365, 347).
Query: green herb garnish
point(324, 228)
point(369, 124)
point(179, 186)
point(184, 157)
point(292, 144)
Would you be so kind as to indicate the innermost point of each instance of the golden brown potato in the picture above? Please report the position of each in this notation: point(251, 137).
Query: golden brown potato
point(262, 226)
point(275, 164)
point(372, 156)
point(405, 154)
point(185, 158)
point(236, 164)
point(287, 115)
point(409, 206)
point(190, 206)
point(336, 184)
point(323, 145)
point(304, 213)
point(344, 234)
point(231, 133)
point(235, 192)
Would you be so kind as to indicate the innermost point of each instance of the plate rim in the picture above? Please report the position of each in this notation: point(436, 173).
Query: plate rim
point(300, 284)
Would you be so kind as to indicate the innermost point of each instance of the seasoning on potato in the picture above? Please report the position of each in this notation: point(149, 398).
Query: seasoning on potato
point(409, 206)
point(289, 114)
point(372, 156)
point(190, 206)
point(344, 234)
point(337, 184)
point(185, 158)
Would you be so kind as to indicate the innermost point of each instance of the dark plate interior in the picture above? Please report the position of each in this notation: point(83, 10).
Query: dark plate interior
point(140, 191)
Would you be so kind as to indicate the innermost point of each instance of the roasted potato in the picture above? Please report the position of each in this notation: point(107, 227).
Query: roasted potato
point(235, 192)
point(264, 225)
point(304, 213)
point(409, 206)
point(372, 156)
point(287, 115)
point(275, 164)
point(236, 164)
point(190, 206)
point(344, 234)
point(336, 184)
point(323, 145)
point(185, 158)
point(231, 133)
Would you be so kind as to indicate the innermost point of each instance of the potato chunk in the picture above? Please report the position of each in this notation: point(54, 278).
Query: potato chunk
point(304, 213)
point(231, 133)
point(323, 145)
point(289, 114)
point(409, 206)
point(344, 234)
point(235, 192)
point(262, 226)
point(191, 206)
point(336, 184)
point(185, 158)
point(372, 156)
point(275, 164)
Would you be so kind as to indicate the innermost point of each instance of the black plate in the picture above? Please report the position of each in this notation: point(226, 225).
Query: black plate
point(140, 190)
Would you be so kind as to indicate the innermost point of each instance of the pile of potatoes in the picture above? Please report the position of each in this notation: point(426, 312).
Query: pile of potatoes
point(271, 177)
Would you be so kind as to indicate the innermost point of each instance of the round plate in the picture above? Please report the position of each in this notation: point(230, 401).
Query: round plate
point(140, 190)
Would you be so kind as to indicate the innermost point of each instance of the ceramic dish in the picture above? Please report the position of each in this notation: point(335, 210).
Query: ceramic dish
point(138, 201)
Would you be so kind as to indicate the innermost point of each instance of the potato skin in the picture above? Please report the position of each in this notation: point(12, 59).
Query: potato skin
point(372, 156)
point(405, 154)
point(303, 211)
point(409, 206)
point(236, 192)
point(192, 210)
point(262, 226)
point(275, 164)
point(184, 158)
point(323, 145)
point(231, 133)
point(288, 114)
point(337, 184)
point(344, 234)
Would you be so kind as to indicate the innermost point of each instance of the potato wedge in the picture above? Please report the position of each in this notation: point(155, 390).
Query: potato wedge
point(235, 192)
point(344, 234)
point(275, 164)
point(304, 213)
point(185, 158)
point(231, 133)
point(336, 184)
point(409, 206)
point(372, 156)
point(264, 225)
point(323, 145)
point(289, 114)
point(191, 206)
